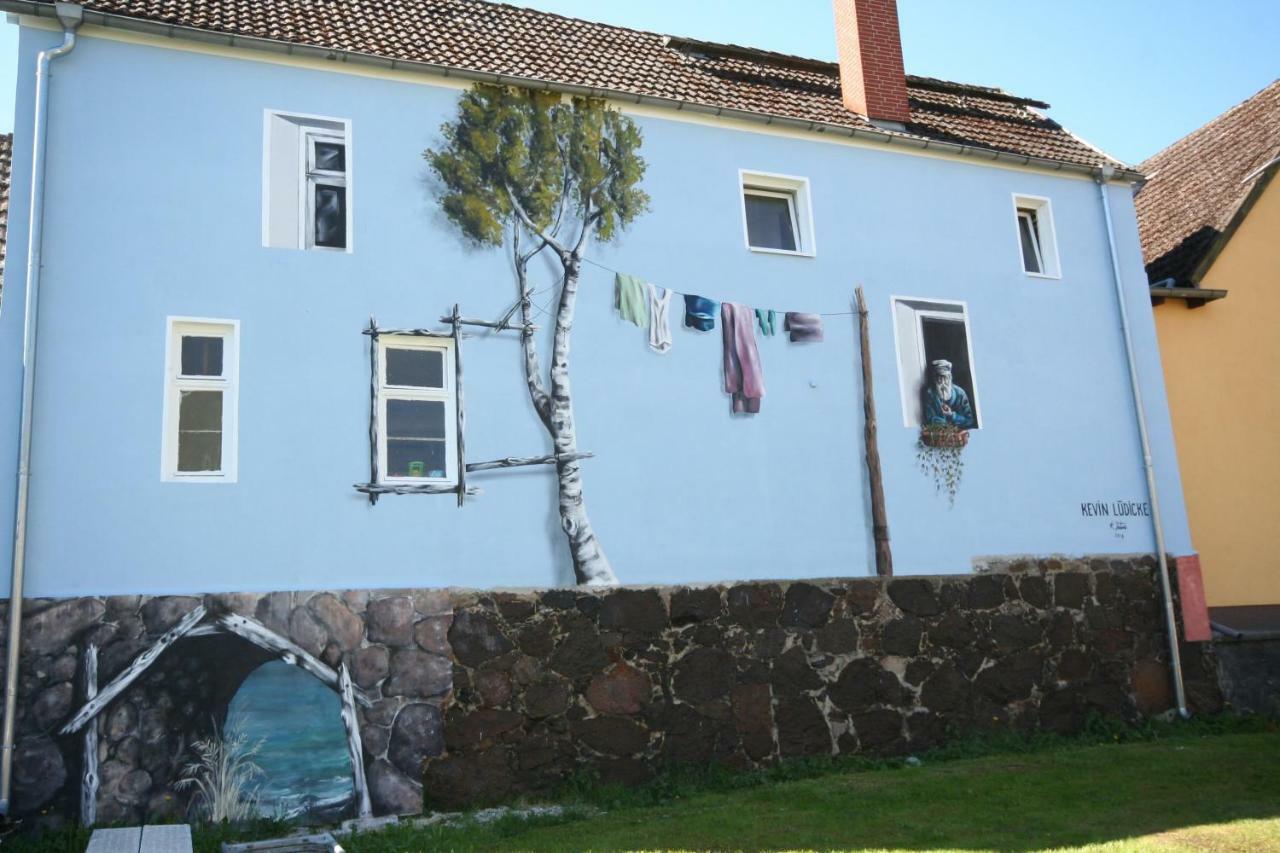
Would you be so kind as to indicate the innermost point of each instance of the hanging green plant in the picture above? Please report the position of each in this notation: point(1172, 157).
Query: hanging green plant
point(938, 453)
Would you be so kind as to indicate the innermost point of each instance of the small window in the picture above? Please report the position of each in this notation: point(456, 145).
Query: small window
point(935, 363)
point(199, 443)
point(417, 442)
point(777, 214)
point(306, 183)
point(1036, 240)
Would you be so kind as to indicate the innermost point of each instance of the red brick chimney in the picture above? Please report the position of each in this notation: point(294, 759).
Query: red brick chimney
point(870, 48)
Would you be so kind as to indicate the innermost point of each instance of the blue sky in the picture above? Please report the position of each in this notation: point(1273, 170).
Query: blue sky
point(1130, 76)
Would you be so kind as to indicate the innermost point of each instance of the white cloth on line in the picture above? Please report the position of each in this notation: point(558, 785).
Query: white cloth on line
point(659, 324)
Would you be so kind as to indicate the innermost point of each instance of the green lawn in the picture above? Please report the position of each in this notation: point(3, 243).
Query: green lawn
point(1219, 793)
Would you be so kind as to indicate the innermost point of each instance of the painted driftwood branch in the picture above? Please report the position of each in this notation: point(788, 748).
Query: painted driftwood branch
point(418, 333)
point(522, 461)
point(503, 326)
point(264, 638)
point(459, 405)
point(879, 519)
point(410, 489)
point(373, 405)
point(352, 724)
point(133, 670)
point(90, 779)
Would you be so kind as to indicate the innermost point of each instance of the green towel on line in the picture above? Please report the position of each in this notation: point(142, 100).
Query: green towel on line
point(633, 300)
point(768, 321)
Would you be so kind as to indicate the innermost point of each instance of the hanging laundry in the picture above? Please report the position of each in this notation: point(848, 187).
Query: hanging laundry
point(743, 377)
point(659, 326)
point(804, 328)
point(700, 313)
point(632, 300)
point(768, 320)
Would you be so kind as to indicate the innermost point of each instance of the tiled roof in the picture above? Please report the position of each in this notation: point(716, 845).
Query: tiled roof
point(6, 156)
point(500, 39)
point(1196, 185)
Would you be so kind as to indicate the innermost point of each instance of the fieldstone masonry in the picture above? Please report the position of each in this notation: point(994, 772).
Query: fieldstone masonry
point(481, 696)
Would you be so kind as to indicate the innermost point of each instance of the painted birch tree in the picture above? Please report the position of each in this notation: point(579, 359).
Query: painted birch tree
point(531, 172)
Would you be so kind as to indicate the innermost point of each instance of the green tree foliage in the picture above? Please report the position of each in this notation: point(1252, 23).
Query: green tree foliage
point(522, 158)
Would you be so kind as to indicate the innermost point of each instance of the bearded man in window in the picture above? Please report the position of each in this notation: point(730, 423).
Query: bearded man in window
point(946, 402)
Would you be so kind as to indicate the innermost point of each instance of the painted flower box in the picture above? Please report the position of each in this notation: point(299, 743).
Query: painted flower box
point(935, 436)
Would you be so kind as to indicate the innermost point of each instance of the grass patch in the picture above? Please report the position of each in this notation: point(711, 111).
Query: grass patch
point(1209, 784)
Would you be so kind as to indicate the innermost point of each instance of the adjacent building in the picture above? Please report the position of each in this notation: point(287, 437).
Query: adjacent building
point(1209, 215)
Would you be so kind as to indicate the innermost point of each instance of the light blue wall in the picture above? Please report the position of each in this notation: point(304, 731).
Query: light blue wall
point(154, 209)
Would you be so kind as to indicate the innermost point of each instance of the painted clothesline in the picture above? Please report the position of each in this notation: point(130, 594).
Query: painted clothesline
point(722, 301)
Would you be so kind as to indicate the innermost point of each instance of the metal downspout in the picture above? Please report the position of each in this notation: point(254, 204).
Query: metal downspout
point(70, 15)
point(1171, 623)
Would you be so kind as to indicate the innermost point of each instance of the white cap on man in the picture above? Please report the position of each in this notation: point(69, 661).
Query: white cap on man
point(942, 367)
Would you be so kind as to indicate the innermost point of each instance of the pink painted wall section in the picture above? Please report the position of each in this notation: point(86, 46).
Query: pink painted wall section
point(1195, 613)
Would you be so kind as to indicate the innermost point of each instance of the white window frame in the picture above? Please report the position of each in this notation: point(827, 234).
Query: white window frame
point(448, 394)
point(175, 383)
point(1044, 233)
point(297, 156)
point(908, 386)
point(796, 191)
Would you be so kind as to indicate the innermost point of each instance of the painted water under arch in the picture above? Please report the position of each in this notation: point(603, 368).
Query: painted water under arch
point(302, 752)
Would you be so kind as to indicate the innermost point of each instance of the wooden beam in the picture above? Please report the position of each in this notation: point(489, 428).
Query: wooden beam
point(417, 333)
point(90, 779)
point(879, 518)
point(352, 723)
point(133, 670)
point(264, 638)
point(521, 461)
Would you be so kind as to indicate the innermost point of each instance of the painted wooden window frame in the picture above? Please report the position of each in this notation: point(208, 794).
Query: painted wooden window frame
point(448, 394)
point(175, 383)
point(908, 384)
point(1043, 232)
point(796, 191)
point(295, 157)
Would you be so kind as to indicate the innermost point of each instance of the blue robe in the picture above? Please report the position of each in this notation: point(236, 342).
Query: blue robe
point(961, 415)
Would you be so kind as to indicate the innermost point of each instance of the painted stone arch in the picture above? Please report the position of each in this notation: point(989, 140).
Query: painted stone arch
point(187, 694)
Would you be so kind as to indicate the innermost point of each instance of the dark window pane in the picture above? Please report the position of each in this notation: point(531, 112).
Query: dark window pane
point(200, 431)
point(769, 223)
point(415, 368)
point(331, 156)
point(946, 339)
point(331, 216)
point(415, 419)
point(415, 458)
point(1030, 241)
point(201, 356)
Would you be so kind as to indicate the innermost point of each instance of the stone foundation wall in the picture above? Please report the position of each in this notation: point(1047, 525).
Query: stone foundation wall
point(476, 697)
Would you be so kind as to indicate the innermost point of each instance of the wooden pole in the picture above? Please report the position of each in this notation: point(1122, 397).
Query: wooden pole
point(89, 786)
point(354, 746)
point(879, 519)
point(522, 461)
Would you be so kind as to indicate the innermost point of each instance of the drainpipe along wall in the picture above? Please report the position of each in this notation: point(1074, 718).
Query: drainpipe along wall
point(69, 15)
point(1171, 623)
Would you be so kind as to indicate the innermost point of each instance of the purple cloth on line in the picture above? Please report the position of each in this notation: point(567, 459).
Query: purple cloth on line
point(804, 328)
point(743, 377)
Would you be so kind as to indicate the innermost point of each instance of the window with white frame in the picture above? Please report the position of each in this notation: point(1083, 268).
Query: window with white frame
point(777, 214)
point(417, 415)
point(201, 400)
point(1036, 239)
point(935, 363)
point(306, 183)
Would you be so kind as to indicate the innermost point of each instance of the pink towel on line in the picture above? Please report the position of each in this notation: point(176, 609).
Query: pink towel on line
point(743, 376)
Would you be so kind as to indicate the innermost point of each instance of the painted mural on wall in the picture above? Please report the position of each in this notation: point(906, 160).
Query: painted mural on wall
point(544, 177)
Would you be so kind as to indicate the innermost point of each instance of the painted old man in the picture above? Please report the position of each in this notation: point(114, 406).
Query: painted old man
point(944, 401)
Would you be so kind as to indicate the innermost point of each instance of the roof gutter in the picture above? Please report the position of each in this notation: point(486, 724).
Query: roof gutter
point(194, 34)
point(69, 16)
